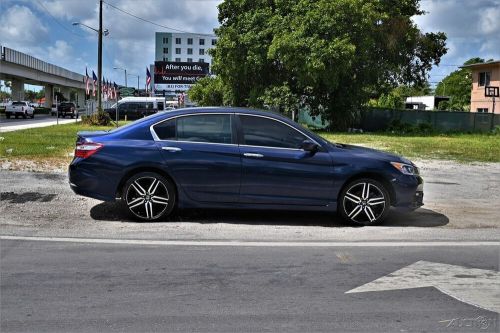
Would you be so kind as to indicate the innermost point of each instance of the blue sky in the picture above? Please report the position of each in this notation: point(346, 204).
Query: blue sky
point(43, 29)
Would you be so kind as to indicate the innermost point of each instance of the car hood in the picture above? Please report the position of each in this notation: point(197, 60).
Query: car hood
point(364, 152)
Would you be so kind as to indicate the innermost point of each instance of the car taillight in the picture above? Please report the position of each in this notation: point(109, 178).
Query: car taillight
point(87, 149)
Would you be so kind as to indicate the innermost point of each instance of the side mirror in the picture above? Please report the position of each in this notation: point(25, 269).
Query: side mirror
point(309, 146)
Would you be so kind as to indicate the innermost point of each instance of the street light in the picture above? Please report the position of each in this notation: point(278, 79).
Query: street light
point(100, 32)
point(125, 70)
point(105, 32)
point(137, 81)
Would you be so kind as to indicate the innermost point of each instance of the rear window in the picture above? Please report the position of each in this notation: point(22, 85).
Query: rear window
point(18, 103)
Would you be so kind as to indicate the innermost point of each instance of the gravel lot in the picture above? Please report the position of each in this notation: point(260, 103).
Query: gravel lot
point(457, 197)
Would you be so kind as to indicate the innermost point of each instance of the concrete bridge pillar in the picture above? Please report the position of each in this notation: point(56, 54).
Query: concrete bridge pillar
point(49, 95)
point(17, 89)
point(66, 93)
point(80, 98)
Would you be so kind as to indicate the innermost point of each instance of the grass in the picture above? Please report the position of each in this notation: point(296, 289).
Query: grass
point(459, 147)
point(56, 143)
point(52, 142)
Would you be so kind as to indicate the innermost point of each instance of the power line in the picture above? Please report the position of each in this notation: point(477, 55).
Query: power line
point(154, 23)
point(57, 21)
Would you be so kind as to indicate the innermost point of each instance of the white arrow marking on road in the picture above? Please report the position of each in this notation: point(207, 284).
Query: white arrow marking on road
point(478, 287)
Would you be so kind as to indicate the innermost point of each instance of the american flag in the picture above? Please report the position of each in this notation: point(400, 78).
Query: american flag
point(87, 82)
point(94, 83)
point(148, 79)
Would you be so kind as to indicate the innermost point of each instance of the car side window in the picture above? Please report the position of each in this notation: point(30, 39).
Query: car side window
point(166, 130)
point(265, 132)
point(212, 128)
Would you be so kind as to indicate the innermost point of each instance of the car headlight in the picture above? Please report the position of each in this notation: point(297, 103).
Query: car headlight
point(406, 169)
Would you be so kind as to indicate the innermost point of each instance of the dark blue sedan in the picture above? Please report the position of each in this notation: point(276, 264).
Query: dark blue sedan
point(238, 158)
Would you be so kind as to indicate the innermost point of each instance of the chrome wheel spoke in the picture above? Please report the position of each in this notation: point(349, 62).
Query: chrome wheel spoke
point(355, 212)
point(369, 213)
point(136, 202)
point(352, 197)
point(138, 188)
point(376, 201)
point(366, 191)
point(154, 186)
point(149, 209)
point(159, 200)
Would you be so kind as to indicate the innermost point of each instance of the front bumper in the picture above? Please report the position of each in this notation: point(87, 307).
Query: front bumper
point(409, 192)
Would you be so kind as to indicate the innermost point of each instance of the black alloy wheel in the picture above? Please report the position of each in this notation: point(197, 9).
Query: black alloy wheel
point(149, 196)
point(364, 201)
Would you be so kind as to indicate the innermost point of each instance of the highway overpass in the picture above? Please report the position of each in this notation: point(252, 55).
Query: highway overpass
point(21, 68)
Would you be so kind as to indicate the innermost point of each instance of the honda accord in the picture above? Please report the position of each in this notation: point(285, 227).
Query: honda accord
point(238, 158)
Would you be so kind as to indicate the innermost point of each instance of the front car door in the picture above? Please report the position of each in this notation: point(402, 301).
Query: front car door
point(201, 153)
point(275, 170)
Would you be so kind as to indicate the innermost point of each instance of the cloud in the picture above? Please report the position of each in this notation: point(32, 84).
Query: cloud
point(472, 28)
point(21, 27)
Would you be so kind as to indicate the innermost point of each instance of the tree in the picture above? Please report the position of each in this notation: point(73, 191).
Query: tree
point(208, 91)
point(457, 85)
point(329, 54)
point(395, 98)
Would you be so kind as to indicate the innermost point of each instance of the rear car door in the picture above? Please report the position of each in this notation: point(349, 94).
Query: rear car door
point(275, 170)
point(201, 153)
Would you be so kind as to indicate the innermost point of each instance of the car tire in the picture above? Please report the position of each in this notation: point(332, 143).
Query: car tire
point(148, 196)
point(15, 116)
point(25, 115)
point(7, 115)
point(32, 116)
point(364, 201)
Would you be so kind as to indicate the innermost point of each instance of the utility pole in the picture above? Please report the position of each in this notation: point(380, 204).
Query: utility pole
point(99, 61)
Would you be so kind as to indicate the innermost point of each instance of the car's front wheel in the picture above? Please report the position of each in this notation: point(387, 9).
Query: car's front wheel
point(364, 201)
point(149, 196)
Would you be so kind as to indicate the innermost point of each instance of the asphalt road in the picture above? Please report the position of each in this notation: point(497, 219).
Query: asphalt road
point(85, 287)
point(40, 120)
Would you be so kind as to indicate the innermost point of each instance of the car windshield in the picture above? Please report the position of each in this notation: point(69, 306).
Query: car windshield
point(18, 103)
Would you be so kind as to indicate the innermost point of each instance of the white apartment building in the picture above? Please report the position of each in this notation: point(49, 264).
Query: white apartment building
point(183, 47)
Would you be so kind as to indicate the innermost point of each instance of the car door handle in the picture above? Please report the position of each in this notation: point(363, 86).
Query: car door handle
point(253, 155)
point(172, 149)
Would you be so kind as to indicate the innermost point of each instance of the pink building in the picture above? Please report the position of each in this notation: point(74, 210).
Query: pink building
point(484, 74)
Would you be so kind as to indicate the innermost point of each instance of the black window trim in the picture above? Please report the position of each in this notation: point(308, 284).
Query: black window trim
point(236, 130)
point(231, 119)
point(240, 136)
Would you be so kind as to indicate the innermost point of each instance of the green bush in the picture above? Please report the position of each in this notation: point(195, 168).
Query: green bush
point(97, 119)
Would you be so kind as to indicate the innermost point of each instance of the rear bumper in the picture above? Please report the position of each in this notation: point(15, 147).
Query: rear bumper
point(89, 181)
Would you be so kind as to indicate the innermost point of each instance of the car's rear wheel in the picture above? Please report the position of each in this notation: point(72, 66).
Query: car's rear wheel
point(7, 115)
point(364, 201)
point(25, 115)
point(149, 196)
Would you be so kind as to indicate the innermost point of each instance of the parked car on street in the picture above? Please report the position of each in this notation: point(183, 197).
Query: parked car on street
point(19, 108)
point(67, 109)
point(136, 107)
point(53, 109)
point(238, 158)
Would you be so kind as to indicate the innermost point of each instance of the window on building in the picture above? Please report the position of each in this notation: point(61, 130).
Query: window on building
point(177, 41)
point(165, 50)
point(202, 41)
point(165, 40)
point(189, 59)
point(190, 51)
point(178, 59)
point(201, 60)
point(482, 110)
point(484, 79)
point(214, 41)
point(190, 41)
point(202, 51)
point(164, 59)
point(178, 50)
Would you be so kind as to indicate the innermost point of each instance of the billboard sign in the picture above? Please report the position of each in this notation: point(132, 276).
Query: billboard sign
point(179, 73)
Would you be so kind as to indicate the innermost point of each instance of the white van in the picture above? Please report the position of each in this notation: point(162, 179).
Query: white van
point(137, 107)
